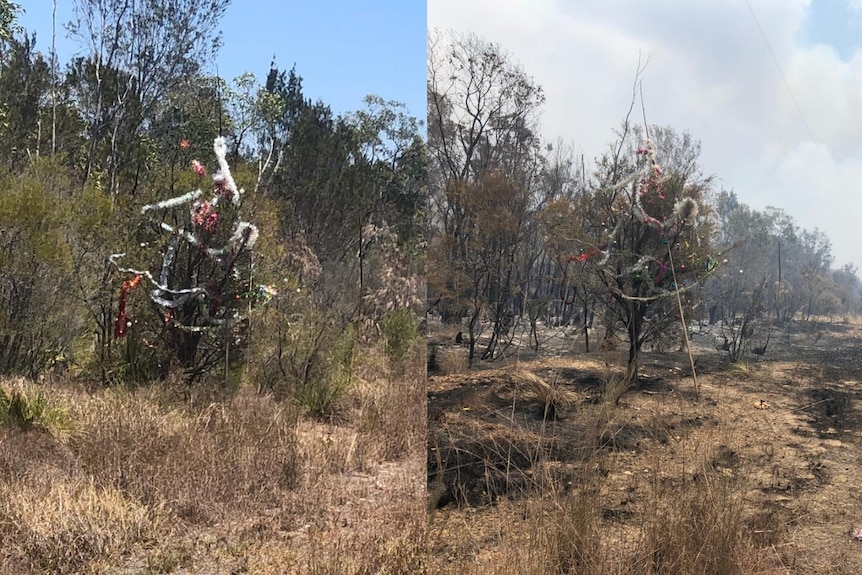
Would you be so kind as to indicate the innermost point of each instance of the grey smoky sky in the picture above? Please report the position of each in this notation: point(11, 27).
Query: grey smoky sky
point(710, 73)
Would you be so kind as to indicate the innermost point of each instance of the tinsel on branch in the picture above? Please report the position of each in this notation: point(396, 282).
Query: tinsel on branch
point(207, 303)
point(676, 224)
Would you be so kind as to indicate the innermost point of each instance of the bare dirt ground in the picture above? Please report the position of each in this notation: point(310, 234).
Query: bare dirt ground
point(781, 433)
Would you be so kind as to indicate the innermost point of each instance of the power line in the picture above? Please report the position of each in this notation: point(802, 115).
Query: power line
point(781, 73)
point(831, 177)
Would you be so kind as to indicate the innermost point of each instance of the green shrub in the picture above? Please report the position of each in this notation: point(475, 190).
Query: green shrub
point(400, 331)
point(321, 394)
point(28, 408)
point(316, 362)
point(38, 311)
point(322, 398)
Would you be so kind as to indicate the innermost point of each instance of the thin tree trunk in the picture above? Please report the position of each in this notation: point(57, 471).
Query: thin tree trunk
point(586, 329)
point(54, 78)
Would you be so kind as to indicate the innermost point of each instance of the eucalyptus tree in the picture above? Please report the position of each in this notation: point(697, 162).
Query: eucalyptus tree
point(483, 114)
point(136, 52)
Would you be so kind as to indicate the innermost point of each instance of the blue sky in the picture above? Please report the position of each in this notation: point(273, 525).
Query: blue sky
point(343, 49)
point(835, 23)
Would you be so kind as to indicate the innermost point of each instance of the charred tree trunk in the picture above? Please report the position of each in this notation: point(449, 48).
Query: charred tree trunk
point(474, 320)
point(586, 329)
point(634, 328)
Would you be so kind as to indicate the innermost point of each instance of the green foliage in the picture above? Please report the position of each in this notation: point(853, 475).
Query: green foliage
point(24, 77)
point(204, 259)
point(132, 91)
point(194, 112)
point(322, 398)
point(390, 141)
point(337, 174)
point(329, 365)
point(8, 16)
point(133, 362)
point(300, 351)
point(400, 333)
point(118, 129)
point(36, 316)
point(93, 213)
point(35, 121)
point(35, 208)
point(29, 408)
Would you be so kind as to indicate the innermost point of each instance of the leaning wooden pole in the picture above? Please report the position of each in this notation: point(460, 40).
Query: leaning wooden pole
point(684, 325)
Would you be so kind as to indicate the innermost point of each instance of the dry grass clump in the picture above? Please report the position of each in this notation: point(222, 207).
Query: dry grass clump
point(391, 404)
point(741, 370)
point(555, 398)
point(204, 463)
point(53, 525)
point(452, 361)
point(164, 479)
point(688, 530)
point(697, 528)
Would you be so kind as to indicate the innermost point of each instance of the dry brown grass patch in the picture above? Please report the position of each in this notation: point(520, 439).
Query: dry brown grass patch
point(555, 398)
point(225, 457)
point(165, 479)
point(452, 360)
point(61, 526)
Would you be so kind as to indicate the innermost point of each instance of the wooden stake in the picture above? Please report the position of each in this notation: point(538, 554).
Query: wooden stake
point(682, 319)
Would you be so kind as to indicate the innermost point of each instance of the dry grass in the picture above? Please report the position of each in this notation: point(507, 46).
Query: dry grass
point(690, 530)
point(741, 370)
point(453, 361)
point(60, 526)
point(150, 482)
point(671, 516)
point(555, 398)
point(752, 477)
point(204, 462)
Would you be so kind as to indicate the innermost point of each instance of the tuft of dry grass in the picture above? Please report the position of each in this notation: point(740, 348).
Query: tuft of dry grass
point(158, 480)
point(741, 370)
point(53, 525)
point(615, 386)
point(697, 529)
point(555, 398)
point(451, 361)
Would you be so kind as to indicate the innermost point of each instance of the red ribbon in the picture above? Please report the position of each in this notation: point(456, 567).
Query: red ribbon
point(583, 256)
point(121, 324)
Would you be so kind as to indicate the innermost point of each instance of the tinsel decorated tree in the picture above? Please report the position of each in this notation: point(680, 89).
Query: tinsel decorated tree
point(645, 237)
point(191, 305)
